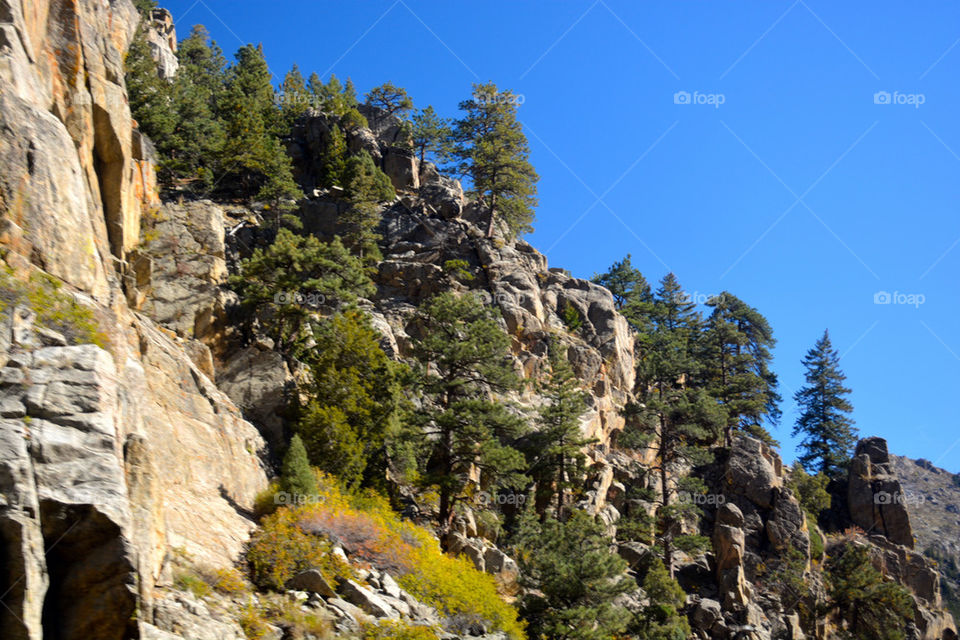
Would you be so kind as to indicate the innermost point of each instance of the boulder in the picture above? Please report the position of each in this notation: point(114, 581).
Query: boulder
point(400, 165)
point(313, 581)
point(367, 600)
point(256, 379)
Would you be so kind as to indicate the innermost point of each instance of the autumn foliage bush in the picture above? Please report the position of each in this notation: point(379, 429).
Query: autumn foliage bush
point(300, 537)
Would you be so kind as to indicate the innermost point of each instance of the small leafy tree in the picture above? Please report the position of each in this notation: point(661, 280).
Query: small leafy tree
point(150, 96)
point(571, 564)
point(829, 434)
point(491, 148)
point(296, 476)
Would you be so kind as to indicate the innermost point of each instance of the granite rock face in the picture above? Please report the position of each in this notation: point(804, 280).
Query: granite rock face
point(874, 495)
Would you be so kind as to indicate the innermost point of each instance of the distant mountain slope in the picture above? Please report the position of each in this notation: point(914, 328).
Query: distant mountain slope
point(932, 497)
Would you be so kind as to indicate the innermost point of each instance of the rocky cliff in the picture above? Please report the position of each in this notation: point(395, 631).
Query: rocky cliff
point(143, 446)
point(113, 455)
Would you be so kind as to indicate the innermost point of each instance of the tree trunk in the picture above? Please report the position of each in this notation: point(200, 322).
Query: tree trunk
point(665, 499)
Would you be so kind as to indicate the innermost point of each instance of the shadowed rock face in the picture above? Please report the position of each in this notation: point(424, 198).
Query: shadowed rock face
point(874, 494)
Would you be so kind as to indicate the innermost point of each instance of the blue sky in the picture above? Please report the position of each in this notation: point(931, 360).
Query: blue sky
point(803, 192)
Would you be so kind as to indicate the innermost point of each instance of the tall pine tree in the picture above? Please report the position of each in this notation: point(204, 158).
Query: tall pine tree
point(674, 419)
point(558, 461)
point(492, 149)
point(829, 434)
point(465, 357)
point(736, 356)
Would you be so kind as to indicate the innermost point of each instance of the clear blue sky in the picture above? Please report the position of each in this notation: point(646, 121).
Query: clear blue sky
point(799, 193)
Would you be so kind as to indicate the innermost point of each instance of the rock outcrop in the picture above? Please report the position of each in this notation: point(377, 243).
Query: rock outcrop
point(874, 495)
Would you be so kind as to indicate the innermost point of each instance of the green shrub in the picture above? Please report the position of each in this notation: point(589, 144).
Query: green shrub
point(187, 580)
point(811, 491)
point(458, 269)
point(816, 540)
point(56, 309)
point(572, 318)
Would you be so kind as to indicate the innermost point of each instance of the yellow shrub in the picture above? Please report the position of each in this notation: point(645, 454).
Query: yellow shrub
point(371, 532)
point(229, 581)
point(252, 622)
point(281, 549)
point(396, 630)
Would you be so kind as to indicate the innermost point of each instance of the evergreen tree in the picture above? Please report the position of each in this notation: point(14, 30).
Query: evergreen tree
point(676, 420)
point(150, 95)
point(661, 617)
point(355, 400)
point(431, 136)
point(285, 283)
point(558, 460)
point(829, 434)
point(367, 186)
point(491, 148)
point(390, 100)
point(571, 564)
point(465, 356)
point(252, 155)
point(625, 282)
point(296, 476)
point(198, 137)
point(294, 99)
point(871, 608)
point(737, 373)
point(334, 162)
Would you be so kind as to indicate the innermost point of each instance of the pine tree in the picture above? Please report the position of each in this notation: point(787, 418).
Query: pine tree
point(367, 186)
point(625, 282)
point(253, 156)
point(355, 400)
point(674, 419)
point(285, 282)
point(431, 136)
point(390, 100)
point(829, 434)
point(491, 148)
point(465, 356)
point(296, 476)
point(661, 618)
point(198, 137)
point(571, 564)
point(294, 99)
point(737, 373)
point(334, 161)
point(871, 607)
point(150, 96)
point(558, 461)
